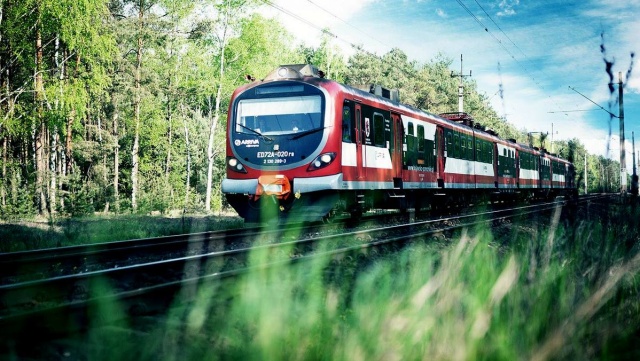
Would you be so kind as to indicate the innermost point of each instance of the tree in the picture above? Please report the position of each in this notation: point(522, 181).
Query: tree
point(39, 95)
point(228, 15)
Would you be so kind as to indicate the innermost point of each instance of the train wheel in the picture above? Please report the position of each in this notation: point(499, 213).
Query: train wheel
point(329, 217)
point(356, 214)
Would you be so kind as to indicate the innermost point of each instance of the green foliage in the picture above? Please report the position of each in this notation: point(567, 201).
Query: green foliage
point(80, 199)
point(190, 65)
point(19, 203)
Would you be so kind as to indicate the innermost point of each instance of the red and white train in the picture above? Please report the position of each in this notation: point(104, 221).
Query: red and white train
point(302, 147)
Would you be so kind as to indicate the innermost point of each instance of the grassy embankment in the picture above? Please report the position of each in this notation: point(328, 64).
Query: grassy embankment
point(29, 235)
point(559, 288)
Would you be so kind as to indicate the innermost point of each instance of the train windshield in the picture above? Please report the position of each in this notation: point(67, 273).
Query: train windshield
point(279, 116)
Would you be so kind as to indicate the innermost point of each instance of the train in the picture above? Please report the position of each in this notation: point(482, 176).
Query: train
point(303, 147)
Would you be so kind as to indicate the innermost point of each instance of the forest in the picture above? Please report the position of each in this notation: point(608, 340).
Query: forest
point(119, 106)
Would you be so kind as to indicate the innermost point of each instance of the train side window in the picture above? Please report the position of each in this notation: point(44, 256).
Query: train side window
point(420, 144)
point(449, 145)
point(485, 152)
point(411, 143)
point(463, 146)
point(420, 136)
point(456, 146)
point(378, 130)
point(347, 124)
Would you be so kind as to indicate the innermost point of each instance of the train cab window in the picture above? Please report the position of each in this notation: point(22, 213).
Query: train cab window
point(378, 130)
point(347, 124)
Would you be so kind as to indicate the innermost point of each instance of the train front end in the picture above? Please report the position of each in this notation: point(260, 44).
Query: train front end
point(282, 152)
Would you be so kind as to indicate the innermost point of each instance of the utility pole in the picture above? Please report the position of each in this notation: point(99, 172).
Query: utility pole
point(623, 164)
point(460, 86)
point(585, 173)
point(634, 177)
point(552, 133)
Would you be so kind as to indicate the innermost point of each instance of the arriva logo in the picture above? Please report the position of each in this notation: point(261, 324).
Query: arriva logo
point(247, 142)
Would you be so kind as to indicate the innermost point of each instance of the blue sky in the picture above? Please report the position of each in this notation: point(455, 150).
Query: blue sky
point(543, 48)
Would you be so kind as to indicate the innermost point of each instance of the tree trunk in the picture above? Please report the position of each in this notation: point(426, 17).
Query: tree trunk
point(136, 140)
point(188, 149)
point(40, 129)
point(167, 167)
point(67, 143)
point(53, 161)
point(3, 190)
point(212, 130)
point(216, 113)
point(116, 151)
point(52, 165)
point(4, 83)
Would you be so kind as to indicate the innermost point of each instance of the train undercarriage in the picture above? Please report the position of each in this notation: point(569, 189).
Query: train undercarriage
point(323, 205)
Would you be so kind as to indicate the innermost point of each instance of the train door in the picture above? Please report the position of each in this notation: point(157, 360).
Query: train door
point(440, 156)
point(398, 138)
point(359, 140)
point(494, 149)
point(518, 171)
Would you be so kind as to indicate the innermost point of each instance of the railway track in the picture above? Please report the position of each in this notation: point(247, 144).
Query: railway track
point(40, 306)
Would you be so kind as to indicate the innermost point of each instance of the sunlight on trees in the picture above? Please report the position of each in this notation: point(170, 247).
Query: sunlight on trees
point(124, 108)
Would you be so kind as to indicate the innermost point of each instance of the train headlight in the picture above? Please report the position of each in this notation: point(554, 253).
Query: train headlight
point(235, 166)
point(322, 161)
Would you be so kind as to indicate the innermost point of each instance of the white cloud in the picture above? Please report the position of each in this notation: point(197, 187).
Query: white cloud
point(441, 13)
point(507, 7)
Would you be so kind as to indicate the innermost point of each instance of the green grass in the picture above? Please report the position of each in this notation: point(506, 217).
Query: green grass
point(77, 231)
point(554, 289)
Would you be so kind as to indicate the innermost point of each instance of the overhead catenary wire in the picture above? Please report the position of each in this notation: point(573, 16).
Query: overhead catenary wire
point(596, 104)
point(502, 45)
point(411, 73)
point(499, 28)
point(349, 24)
